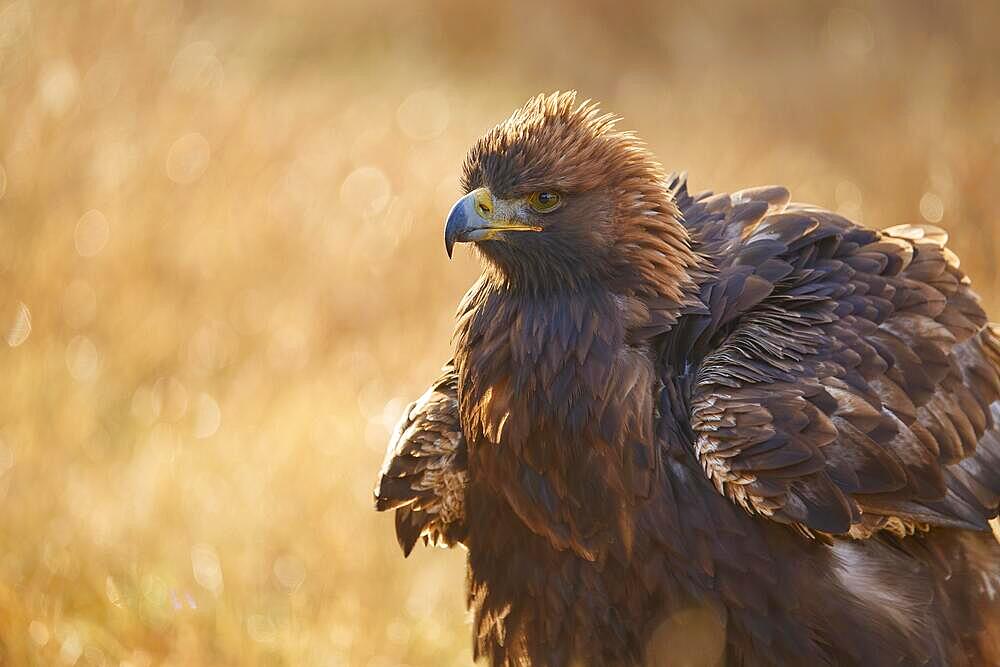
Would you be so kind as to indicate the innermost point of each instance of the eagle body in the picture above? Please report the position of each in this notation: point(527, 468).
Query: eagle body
point(709, 429)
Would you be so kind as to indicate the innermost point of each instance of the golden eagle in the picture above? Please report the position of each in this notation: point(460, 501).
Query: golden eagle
point(661, 401)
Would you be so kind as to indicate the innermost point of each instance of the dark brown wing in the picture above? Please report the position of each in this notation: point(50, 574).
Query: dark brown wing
point(423, 476)
point(845, 380)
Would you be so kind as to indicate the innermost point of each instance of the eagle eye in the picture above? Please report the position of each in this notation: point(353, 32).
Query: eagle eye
point(544, 201)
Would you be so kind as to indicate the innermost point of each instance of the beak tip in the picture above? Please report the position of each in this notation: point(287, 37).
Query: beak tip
point(457, 224)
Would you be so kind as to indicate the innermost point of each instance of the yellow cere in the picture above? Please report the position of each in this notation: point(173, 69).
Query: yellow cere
point(484, 203)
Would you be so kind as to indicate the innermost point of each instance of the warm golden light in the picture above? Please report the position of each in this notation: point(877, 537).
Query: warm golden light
point(221, 274)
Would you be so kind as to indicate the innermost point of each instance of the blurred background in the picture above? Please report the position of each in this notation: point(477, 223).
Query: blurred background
point(222, 274)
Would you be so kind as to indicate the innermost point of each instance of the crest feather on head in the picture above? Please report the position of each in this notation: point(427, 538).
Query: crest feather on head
point(555, 142)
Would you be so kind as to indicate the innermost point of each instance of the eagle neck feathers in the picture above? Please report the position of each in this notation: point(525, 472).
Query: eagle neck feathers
point(557, 387)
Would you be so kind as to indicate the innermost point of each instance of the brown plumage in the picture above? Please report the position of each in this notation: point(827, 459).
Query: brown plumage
point(424, 474)
point(731, 404)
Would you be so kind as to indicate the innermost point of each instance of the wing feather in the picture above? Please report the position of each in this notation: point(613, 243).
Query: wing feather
point(423, 476)
point(845, 380)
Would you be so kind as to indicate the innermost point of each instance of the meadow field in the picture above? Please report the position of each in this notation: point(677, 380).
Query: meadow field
point(222, 273)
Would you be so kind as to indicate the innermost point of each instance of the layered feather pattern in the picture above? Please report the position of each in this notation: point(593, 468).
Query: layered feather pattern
point(730, 408)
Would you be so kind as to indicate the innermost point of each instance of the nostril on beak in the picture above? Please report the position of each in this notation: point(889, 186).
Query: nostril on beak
point(482, 203)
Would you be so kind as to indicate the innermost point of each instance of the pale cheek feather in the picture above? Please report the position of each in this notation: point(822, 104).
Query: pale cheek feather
point(989, 585)
point(861, 576)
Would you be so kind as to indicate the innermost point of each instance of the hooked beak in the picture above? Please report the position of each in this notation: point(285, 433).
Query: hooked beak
point(474, 218)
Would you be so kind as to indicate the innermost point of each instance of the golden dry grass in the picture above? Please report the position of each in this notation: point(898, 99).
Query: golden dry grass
point(223, 222)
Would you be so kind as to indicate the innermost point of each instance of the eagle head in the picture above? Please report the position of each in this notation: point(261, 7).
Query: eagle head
point(557, 197)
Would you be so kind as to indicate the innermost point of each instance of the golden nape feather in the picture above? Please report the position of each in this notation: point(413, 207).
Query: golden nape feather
point(732, 403)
